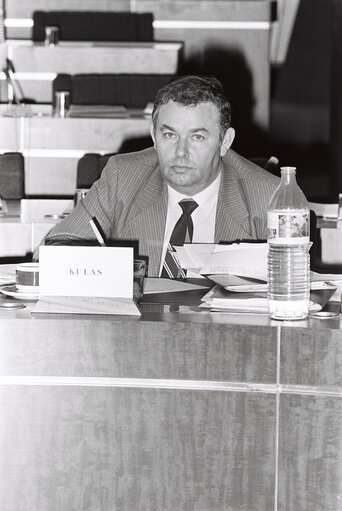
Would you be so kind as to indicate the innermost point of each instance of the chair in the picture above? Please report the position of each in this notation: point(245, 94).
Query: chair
point(12, 175)
point(89, 168)
point(129, 90)
point(94, 26)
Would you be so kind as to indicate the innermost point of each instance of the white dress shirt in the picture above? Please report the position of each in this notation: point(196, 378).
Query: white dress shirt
point(203, 218)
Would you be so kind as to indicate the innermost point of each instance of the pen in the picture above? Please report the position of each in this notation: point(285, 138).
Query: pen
point(98, 232)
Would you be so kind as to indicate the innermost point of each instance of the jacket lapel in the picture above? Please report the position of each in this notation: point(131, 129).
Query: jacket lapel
point(232, 217)
point(146, 220)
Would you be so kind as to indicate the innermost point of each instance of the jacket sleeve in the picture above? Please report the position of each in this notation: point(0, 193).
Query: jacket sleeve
point(99, 202)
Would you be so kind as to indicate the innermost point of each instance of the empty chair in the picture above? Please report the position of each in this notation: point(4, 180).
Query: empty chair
point(129, 90)
point(89, 168)
point(94, 26)
point(12, 175)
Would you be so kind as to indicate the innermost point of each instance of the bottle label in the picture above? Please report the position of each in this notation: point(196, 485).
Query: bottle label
point(288, 227)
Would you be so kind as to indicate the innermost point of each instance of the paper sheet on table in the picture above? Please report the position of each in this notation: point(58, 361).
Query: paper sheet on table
point(240, 259)
point(192, 256)
point(220, 299)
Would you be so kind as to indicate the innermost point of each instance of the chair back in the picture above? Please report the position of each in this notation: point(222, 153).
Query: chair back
point(129, 90)
point(89, 168)
point(94, 26)
point(12, 175)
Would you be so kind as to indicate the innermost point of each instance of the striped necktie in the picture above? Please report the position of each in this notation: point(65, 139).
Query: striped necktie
point(182, 232)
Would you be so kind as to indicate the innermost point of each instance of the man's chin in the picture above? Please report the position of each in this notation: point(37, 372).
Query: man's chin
point(182, 181)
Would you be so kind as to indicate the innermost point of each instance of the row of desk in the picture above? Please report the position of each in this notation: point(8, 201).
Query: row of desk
point(28, 222)
point(178, 409)
point(37, 65)
point(52, 146)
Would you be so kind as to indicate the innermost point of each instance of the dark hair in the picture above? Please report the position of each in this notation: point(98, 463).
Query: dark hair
point(192, 90)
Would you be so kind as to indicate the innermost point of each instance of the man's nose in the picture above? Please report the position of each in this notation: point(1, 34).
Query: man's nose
point(182, 149)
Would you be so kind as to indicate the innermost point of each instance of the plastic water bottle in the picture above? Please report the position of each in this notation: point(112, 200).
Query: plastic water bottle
point(288, 236)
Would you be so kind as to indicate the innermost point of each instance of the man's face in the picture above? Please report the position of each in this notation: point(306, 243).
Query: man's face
point(188, 144)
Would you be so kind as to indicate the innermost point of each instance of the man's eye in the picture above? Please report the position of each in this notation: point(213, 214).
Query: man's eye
point(198, 137)
point(168, 134)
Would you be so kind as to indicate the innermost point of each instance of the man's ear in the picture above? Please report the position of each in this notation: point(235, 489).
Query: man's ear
point(152, 134)
point(227, 141)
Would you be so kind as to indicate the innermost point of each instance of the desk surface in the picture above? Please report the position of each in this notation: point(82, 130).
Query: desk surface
point(178, 409)
point(173, 307)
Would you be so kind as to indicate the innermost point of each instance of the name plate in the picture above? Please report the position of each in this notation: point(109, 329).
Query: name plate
point(86, 271)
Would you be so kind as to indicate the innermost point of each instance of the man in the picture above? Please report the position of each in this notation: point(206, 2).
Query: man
point(191, 182)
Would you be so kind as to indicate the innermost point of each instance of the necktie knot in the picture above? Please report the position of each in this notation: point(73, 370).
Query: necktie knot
point(188, 206)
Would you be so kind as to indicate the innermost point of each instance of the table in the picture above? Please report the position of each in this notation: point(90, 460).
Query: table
point(37, 65)
point(28, 222)
point(330, 241)
point(53, 146)
point(176, 410)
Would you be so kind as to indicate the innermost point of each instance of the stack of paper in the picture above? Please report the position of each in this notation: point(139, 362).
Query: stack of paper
point(219, 299)
point(255, 301)
point(239, 271)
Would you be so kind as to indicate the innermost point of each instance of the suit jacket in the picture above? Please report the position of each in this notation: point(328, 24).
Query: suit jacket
point(130, 202)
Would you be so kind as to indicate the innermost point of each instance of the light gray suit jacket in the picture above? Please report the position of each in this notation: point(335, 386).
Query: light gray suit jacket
point(130, 202)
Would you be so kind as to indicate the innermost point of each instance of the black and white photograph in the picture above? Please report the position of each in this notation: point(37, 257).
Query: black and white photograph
point(170, 255)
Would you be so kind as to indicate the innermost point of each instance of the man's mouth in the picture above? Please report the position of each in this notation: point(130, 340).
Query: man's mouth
point(180, 166)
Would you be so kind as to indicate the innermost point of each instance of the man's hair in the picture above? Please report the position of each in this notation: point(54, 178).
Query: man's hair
point(192, 90)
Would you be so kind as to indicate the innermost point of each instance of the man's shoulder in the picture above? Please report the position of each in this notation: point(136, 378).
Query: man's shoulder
point(146, 158)
point(245, 170)
point(130, 171)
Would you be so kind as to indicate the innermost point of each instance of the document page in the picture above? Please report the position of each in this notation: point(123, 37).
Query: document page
point(240, 259)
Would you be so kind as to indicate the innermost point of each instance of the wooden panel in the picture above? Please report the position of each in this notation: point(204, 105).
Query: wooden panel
point(224, 52)
point(310, 453)
point(54, 176)
point(88, 134)
point(74, 58)
point(25, 9)
point(331, 243)
point(243, 53)
point(18, 239)
point(220, 10)
point(9, 134)
point(36, 209)
point(134, 449)
point(37, 90)
point(22, 237)
point(312, 356)
point(53, 146)
point(135, 349)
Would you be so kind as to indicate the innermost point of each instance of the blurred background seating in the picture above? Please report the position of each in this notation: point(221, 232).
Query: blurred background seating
point(89, 168)
point(12, 176)
point(280, 67)
point(129, 90)
point(94, 26)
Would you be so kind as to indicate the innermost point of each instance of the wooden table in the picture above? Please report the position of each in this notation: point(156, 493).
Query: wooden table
point(53, 146)
point(330, 241)
point(28, 222)
point(176, 410)
point(37, 65)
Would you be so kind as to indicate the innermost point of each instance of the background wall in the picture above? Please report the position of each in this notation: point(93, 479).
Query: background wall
point(281, 78)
